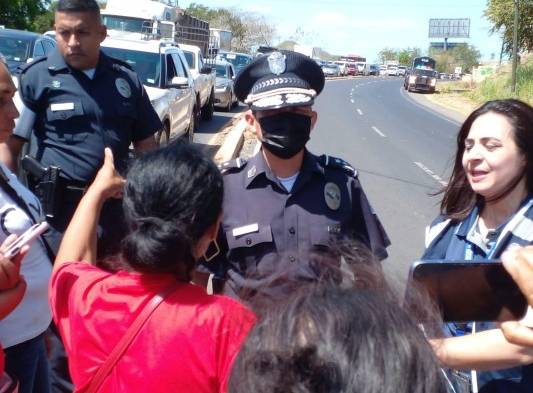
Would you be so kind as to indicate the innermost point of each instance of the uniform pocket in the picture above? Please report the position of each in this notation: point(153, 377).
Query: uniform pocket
point(262, 235)
point(248, 250)
point(68, 121)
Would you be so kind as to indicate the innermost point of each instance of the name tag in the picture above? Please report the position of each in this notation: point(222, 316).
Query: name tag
point(245, 230)
point(65, 106)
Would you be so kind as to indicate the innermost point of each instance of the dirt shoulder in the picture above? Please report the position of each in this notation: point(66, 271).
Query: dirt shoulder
point(450, 95)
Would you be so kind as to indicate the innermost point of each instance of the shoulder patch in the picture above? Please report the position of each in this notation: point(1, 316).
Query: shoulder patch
point(118, 64)
point(232, 165)
point(337, 163)
point(25, 67)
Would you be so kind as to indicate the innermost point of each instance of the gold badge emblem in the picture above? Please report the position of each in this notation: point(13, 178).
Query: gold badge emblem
point(332, 195)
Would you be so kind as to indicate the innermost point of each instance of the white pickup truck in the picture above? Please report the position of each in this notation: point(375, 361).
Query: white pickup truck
point(204, 80)
point(163, 70)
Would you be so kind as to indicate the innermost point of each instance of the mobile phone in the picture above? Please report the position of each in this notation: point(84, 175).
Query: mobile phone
point(26, 238)
point(469, 290)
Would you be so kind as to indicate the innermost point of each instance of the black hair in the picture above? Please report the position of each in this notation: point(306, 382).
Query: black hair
point(328, 339)
point(172, 196)
point(459, 198)
point(78, 6)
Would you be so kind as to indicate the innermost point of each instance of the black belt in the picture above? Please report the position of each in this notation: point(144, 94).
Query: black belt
point(72, 190)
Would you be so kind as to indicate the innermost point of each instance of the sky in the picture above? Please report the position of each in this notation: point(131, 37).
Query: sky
point(364, 27)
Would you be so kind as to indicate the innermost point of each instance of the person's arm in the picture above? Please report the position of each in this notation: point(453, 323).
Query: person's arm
point(12, 284)
point(486, 350)
point(10, 150)
point(519, 264)
point(79, 240)
point(145, 145)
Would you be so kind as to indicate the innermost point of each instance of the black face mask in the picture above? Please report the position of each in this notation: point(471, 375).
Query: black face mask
point(285, 133)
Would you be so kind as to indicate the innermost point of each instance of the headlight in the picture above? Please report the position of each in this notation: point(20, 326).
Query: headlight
point(433, 82)
point(412, 79)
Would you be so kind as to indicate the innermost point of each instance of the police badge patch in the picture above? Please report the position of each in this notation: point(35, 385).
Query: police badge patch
point(123, 87)
point(277, 63)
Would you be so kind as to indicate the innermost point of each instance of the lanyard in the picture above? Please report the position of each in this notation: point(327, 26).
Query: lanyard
point(509, 228)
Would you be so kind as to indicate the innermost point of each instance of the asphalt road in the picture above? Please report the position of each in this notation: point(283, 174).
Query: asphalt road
point(402, 150)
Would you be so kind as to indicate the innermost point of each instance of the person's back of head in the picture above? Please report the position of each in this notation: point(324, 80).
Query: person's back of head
point(327, 339)
point(172, 198)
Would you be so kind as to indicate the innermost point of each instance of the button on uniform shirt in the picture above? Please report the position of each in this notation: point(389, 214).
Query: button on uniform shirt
point(76, 117)
point(264, 225)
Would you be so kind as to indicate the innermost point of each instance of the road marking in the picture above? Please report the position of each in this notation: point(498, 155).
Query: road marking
point(352, 100)
point(378, 132)
point(427, 109)
point(431, 173)
point(360, 111)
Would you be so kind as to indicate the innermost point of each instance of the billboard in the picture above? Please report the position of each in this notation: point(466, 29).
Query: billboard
point(449, 28)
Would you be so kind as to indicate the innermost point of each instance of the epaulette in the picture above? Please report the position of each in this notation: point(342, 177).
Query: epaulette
point(25, 67)
point(232, 165)
point(337, 163)
point(118, 63)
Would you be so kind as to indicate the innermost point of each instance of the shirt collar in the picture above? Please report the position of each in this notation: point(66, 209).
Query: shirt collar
point(57, 63)
point(257, 167)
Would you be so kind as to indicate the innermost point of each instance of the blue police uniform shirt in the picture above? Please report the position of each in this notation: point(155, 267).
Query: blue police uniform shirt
point(264, 225)
point(77, 117)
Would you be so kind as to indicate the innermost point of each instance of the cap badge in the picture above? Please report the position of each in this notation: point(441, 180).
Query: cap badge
point(277, 62)
point(123, 87)
point(332, 195)
point(56, 84)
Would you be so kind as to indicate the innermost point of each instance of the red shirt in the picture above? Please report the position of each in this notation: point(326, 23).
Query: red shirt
point(188, 344)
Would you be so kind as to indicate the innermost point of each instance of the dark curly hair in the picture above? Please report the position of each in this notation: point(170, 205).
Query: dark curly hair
point(172, 196)
point(459, 198)
point(329, 339)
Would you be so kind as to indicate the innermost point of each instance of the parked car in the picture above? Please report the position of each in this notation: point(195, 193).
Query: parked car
point(20, 47)
point(373, 69)
point(420, 80)
point(382, 70)
point(402, 70)
point(224, 93)
point(163, 70)
point(239, 60)
point(392, 70)
point(331, 69)
point(342, 67)
point(351, 69)
point(204, 81)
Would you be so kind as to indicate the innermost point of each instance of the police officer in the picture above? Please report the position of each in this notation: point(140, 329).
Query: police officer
point(78, 101)
point(285, 202)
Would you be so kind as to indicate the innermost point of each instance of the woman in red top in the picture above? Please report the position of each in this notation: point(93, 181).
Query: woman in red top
point(172, 203)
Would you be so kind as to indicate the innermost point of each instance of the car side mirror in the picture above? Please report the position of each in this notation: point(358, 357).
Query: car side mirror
point(179, 82)
point(206, 70)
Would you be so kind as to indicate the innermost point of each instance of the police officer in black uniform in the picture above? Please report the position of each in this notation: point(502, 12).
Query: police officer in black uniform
point(285, 202)
point(77, 102)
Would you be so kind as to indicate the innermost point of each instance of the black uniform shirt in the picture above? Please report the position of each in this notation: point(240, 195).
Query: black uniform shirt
point(76, 117)
point(264, 225)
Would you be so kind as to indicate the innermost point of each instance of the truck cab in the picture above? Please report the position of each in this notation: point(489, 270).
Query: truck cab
point(162, 69)
point(204, 80)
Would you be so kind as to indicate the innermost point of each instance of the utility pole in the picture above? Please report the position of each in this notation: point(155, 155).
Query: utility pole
point(515, 47)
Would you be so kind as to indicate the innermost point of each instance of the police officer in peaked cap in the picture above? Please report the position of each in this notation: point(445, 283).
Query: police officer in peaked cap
point(284, 202)
point(77, 101)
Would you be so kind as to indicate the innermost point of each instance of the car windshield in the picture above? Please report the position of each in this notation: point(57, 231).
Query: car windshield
point(146, 65)
point(238, 61)
point(123, 23)
point(15, 49)
point(221, 70)
point(424, 72)
point(190, 58)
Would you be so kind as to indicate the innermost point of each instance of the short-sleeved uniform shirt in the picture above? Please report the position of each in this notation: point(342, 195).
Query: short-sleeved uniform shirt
point(77, 117)
point(187, 345)
point(264, 225)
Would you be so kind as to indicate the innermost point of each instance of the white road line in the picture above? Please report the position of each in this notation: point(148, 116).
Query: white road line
point(353, 102)
point(378, 132)
point(431, 173)
point(427, 109)
point(360, 111)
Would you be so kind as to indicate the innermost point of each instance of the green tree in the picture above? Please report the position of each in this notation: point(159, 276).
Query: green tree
point(501, 14)
point(407, 55)
point(45, 21)
point(464, 56)
point(20, 14)
point(387, 54)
